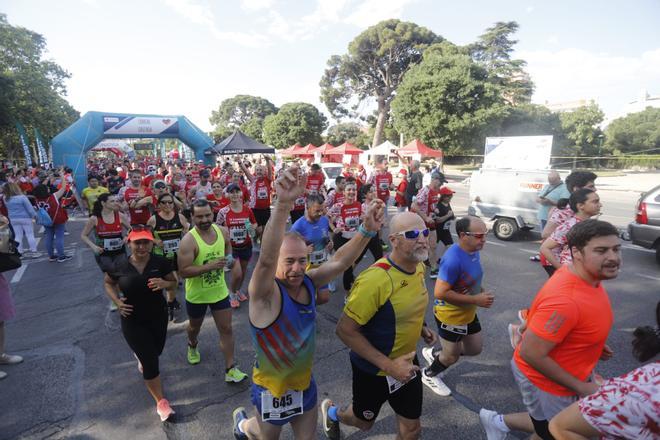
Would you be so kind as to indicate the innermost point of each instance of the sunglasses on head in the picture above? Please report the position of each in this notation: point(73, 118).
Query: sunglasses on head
point(477, 235)
point(138, 228)
point(414, 233)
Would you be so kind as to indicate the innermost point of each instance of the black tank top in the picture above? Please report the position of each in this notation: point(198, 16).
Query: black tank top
point(169, 231)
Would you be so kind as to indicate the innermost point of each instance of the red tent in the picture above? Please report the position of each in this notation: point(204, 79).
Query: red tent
point(307, 150)
point(417, 147)
point(291, 150)
point(345, 148)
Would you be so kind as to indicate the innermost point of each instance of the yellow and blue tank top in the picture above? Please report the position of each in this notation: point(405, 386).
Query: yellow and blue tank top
point(285, 349)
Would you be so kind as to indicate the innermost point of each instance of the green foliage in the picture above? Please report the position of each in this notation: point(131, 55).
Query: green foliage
point(635, 132)
point(581, 129)
point(244, 112)
point(373, 68)
point(536, 120)
point(294, 122)
point(32, 89)
point(346, 132)
point(448, 102)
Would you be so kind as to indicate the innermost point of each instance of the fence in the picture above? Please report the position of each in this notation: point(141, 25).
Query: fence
point(637, 161)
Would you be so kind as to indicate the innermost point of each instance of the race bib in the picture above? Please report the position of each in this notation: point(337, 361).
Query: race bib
point(170, 246)
point(458, 329)
point(113, 244)
point(262, 193)
point(237, 235)
point(318, 257)
point(393, 385)
point(384, 186)
point(352, 222)
point(281, 408)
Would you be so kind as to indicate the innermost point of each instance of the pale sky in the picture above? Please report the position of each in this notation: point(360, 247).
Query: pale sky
point(183, 57)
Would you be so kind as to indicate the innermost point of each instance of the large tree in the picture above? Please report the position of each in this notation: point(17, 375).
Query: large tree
point(244, 112)
point(449, 102)
point(493, 51)
point(32, 89)
point(373, 68)
point(347, 132)
point(636, 132)
point(581, 129)
point(535, 120)
point(294, 122)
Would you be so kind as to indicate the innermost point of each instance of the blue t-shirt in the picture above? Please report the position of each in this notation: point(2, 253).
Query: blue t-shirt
point(316, 234)
point(463, 272)
point(554, 194)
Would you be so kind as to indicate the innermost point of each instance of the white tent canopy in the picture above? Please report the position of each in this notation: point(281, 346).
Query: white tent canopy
point(384, 149)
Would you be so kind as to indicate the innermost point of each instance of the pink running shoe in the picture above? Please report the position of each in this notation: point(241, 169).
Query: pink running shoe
point(241, 296)
point(164, 410)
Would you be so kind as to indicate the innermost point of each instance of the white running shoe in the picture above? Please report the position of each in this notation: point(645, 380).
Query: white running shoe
point(435, 384)
point(427, 352)
point(10, 359)
point(487, 418)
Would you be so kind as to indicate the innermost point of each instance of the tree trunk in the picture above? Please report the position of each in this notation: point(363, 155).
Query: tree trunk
point(383, 113)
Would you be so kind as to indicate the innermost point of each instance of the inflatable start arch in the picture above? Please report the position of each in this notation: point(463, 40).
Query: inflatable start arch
point(70, 147)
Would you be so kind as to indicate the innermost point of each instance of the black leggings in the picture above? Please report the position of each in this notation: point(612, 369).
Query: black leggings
point(146, 337)
point(374, 246)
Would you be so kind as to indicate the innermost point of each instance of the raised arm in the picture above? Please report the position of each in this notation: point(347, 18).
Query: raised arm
point(247, 172)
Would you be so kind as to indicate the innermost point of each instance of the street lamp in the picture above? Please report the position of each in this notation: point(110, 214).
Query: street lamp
point(600, 147)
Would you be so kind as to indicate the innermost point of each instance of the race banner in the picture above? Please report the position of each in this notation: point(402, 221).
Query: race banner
point(139, 126)
point(24, 142)
point(41, 150)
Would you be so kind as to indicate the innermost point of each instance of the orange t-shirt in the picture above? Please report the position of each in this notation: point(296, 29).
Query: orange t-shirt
point(577, 317)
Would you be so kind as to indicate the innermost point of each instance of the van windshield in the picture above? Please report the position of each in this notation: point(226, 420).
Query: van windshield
point(332, 172)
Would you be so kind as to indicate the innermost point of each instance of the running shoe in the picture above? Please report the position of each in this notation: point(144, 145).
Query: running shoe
point(67, 232)
point(435, 384)
point(428, 354)
point(487, 418)
point(241, 296)
point(235, 375)
point(522, 315)
point(10, 359)
point(534, 258)
point(64, 258)
point(193, 355)
point(164, 410)
point(433, 274)
point(233, 302)
point(239, 415)
point(330, 427)
point(514, 335)
point(52, 259)
point(2, 375)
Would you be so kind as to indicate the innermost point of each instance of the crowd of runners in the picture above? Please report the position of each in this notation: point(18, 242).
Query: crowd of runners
point(156, 226)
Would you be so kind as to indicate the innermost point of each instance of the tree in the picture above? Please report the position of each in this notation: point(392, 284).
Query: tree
point(294, 122)
point(32, 89)
point(581, 128)
point(373, 68)
point(447, 101)
point(535, 120)
point(244, 112)
point(635, 132)
point(493, 51)
point(346, 132)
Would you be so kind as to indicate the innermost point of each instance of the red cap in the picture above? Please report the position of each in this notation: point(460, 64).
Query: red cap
point(446, 191)
point(403, 171)
point(140, 234)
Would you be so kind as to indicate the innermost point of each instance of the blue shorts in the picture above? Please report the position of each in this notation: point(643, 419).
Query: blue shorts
point(309, 401)
point(196, 311)
point(243, 254)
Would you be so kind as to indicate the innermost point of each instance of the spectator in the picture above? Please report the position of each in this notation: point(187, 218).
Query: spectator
point(21, 214)
point(7, 312)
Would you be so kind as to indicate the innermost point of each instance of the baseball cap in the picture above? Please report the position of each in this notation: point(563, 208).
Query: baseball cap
point(160, 184)
point(440, 176)
point(403, 171)
point(233, 187)
point(446, 191)
point(204, 173)
point(139, 232)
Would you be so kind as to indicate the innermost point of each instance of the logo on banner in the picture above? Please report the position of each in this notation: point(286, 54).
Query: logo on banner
point(139, 126)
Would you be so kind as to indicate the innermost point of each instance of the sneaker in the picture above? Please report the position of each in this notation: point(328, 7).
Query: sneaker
point(52, 259)
point(67, 233)
point(164, 410)
point(239, 415)
point(522, 315)
point(435, 384)
point(330, 427)
point(534, 258)
point(487, 418)
point(433, 274)
point(233, 302)
point(428, 354)
point(64, 258)
point(241, 296)
point(235, 375)
point(10, 359)
point(193, 355)
point(2, 375)
point(514, 336)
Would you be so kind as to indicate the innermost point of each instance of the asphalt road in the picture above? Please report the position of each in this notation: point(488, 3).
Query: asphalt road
point(79, 379)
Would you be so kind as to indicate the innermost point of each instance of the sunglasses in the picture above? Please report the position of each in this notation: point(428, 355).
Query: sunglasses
point(139, 228)
point(477, 235)
point(414, 233)
point(160, 186)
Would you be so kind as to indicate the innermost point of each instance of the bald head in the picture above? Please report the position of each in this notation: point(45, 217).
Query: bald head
point(406, 221)
point(554, 178)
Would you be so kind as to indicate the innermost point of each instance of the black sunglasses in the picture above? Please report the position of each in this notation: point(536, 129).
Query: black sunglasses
point(138, 228)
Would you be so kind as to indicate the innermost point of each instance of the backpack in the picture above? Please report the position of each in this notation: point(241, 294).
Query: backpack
point(43, 219)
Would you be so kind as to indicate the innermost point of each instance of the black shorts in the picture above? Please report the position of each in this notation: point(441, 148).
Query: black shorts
point(262, 216)
point(197, 311)
point(446, 332)
point(371, 391)
point(444, 236)
point(243, 254)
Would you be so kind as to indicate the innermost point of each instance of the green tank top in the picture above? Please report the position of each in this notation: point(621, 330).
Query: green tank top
point(209, 287)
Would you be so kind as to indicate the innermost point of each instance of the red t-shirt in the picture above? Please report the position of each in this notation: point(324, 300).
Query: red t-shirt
point(56, 212)
point(222, 201)
point(347, 217)
point(315, 183)
point(235, 222)
point(139, 216)
point(383, 182)
point(260, 190)
point(399, 199)
point(577, 317)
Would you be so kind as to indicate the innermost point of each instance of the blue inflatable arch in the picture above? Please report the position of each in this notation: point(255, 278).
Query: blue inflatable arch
point(70, 147)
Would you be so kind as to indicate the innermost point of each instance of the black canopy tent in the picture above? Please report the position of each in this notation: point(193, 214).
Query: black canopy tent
point(239, 143)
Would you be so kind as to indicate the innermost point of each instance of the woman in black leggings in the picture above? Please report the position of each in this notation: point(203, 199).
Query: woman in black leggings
point(142, 278)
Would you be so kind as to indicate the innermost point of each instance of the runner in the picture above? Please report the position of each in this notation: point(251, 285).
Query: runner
point(400, 198)
point(315, 181)
point(337, 195)
point(91, 193)
point(260, 191)
point(141, 278)
point(134, 193)
point(424, 205)
point(458, 292)
point(203, 188)
point(284, 390)
point(381, 324)
point(168, 226)
point(239, 220)
point(443, 218)
point(202, 259)
point(314, 227)
point(217, 199)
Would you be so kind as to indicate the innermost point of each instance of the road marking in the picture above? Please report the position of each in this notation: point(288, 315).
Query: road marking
point(529, 251)
point(648, 276)
point(636, 248)
point(495, 243)
point(19, 273)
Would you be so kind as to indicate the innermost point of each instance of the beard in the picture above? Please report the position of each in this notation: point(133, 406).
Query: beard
point(420, 255)
point(204, 226)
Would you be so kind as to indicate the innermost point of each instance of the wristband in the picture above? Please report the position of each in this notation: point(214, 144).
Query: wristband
point(366, 233)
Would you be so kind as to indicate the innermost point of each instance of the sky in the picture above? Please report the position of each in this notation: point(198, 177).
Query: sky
point(183, 57)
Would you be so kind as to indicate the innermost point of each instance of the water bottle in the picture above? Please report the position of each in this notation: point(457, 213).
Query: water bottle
point(249, 229)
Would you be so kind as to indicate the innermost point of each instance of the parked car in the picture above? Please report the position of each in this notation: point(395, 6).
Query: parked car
point(331, 171)
point(645, 230)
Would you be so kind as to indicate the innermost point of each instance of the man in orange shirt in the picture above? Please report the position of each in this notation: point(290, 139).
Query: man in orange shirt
point(567, 328)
